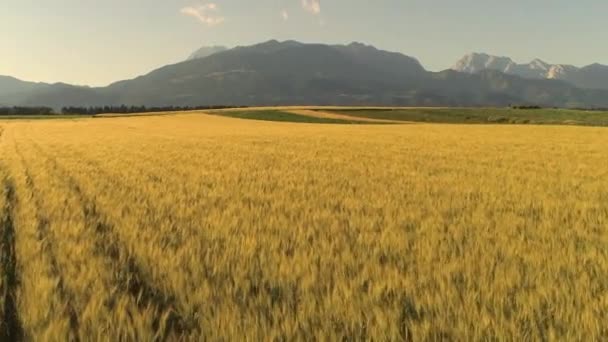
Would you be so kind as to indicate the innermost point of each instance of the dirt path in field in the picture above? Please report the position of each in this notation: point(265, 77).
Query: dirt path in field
point(328, 115)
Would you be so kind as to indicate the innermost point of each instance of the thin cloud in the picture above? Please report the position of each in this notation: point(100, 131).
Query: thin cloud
point(204, 13)
point(312, 6)
point(285, 15)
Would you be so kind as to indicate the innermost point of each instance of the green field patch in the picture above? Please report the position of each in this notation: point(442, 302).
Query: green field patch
point(484, 115)
point(281, 116)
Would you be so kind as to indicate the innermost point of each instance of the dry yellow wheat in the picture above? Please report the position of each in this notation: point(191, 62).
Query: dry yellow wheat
point(199, 226)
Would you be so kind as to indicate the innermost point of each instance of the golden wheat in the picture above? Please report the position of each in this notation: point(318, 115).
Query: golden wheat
point(200, 227)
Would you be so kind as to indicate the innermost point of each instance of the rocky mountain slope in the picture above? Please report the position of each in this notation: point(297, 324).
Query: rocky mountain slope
point(293, 73)
point(206, 51)
point(594, 76)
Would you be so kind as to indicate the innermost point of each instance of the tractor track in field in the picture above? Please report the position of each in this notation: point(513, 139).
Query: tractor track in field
point(130, 277)
point(338, 116)
point(46, 239)
point(10, 323)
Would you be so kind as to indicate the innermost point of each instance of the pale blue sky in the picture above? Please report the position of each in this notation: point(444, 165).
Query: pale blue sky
point(96, 42)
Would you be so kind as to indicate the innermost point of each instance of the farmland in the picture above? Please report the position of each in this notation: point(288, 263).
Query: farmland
point(540, 116)
point(208, 227)
point(377, 115)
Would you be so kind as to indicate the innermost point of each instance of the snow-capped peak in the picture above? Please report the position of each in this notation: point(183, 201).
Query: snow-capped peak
point(537, 68)
point(539, 65)
point(476, 62)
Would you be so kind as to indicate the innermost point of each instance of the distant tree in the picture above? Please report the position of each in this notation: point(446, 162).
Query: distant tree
point(527, 107)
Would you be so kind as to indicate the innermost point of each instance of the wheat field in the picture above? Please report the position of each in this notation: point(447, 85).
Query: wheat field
point(194, 227)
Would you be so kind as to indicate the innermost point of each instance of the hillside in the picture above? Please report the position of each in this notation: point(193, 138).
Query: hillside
point(206, 51)
point(14, 91)
point(593, 76)
point(293, 73)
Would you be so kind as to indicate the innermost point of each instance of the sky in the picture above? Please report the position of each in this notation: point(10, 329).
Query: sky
point(96, 42)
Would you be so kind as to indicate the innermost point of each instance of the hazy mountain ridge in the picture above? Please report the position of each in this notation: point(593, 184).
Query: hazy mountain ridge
point(14, 91)
point(206, 51)
point(593, 76)
point(271, 73)
point(294, 73)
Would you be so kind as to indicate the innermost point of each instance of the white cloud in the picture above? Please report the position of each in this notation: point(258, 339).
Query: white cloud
point(312, 6)
point(285, 15)
point(204, 13)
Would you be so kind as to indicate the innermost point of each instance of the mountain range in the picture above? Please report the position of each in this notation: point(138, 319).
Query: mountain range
point(206, 51)
point(294, 73)
point(594, 76)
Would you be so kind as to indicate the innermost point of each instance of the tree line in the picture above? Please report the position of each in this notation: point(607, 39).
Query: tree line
point(526, 107)
point(94, 110)
point(20, 111)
